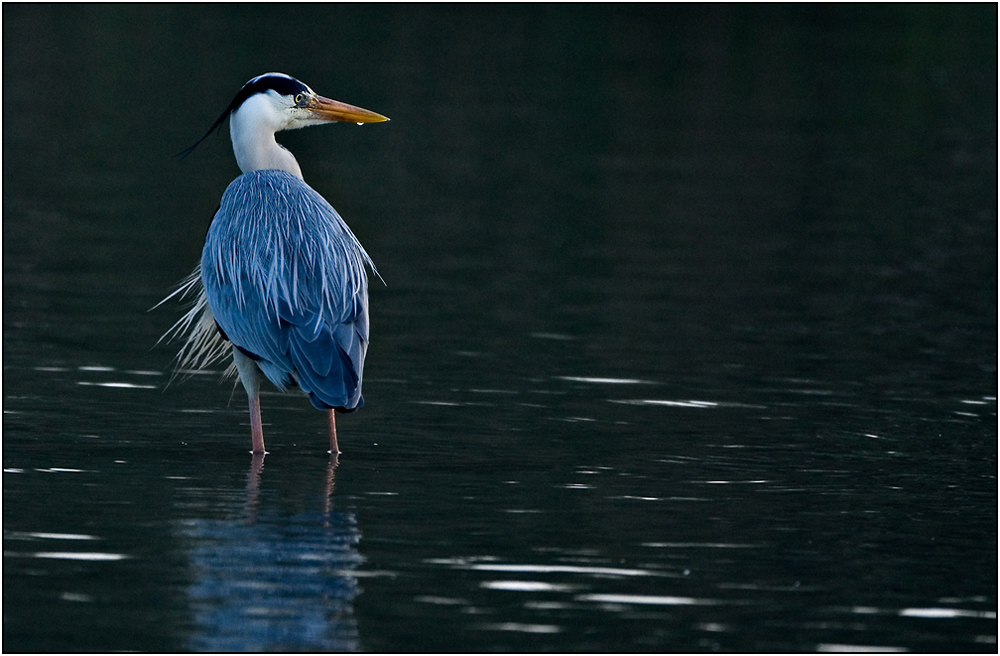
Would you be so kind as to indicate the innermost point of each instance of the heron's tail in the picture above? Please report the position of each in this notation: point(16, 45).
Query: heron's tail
point(203, 344)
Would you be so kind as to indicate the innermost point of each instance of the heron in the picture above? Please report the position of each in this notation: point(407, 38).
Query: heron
point(282, 282)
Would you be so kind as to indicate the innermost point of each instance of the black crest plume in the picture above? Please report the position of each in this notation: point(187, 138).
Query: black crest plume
point(285, 85)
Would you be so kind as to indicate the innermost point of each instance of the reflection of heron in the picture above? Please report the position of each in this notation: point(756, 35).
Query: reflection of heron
point(281, 275)
point(264, 580)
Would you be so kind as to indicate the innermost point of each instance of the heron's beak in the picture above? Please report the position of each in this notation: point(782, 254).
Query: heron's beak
point(333, 110)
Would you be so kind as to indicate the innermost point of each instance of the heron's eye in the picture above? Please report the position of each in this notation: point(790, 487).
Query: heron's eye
point(300, 99)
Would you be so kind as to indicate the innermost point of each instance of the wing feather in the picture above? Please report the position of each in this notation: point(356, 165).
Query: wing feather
point(285, 280)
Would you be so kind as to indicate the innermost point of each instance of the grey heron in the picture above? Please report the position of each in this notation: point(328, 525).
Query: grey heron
point(281, 278)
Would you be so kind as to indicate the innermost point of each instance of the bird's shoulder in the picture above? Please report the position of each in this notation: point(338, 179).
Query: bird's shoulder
point(270, 184)
point(274, 200)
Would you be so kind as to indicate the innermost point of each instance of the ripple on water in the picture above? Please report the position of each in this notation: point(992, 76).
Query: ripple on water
point(947, 613)
point(62, 470)
point(606, 381)
point(97, 370)
point(527, 586)
point(666, 402)
point(522, 628)
point(686, 403)
point(32, 536)
point(857, 649)
point(94, 556)
point(534, 568)
point(648, 600)
point(114, 384)
point(18, 535)
point(701, 545)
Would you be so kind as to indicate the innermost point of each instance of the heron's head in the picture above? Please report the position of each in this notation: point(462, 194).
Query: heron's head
point(273, 102)
point(280, 102)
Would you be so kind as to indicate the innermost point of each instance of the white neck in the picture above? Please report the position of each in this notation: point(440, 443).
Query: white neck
point(252, 129)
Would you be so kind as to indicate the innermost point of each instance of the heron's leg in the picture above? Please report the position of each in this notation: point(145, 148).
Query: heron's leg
point(256, 429)
point(333, 433)
point(250, 377)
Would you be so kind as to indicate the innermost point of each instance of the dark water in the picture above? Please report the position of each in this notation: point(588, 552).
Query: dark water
point(688, 342)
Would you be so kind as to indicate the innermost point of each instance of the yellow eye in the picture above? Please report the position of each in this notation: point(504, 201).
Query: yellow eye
point(300, 98)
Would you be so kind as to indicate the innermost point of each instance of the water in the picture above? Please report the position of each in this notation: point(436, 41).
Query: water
point(688, 341)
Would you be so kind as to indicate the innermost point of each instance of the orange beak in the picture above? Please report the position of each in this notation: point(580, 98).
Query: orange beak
point(334, 110)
